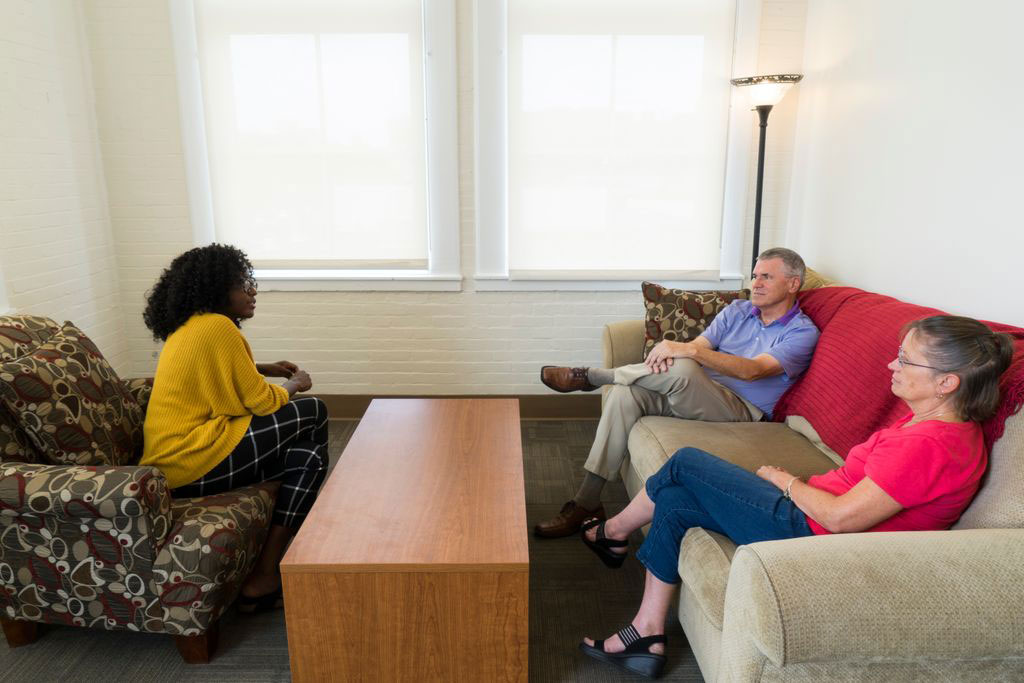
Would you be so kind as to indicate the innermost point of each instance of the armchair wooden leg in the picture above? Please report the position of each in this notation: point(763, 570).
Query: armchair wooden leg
point(199, 649)
point(19, 632)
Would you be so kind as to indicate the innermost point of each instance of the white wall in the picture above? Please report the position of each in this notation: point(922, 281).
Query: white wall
point(781, 51)
point(360, 342)
point(56, 250)
point(910, 143)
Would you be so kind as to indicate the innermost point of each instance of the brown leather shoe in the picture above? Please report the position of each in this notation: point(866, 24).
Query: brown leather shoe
point(565, 379)
point(568, 521)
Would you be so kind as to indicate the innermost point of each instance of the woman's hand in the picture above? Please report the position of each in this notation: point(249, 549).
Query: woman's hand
point(779, 477)
point(282, 368)
point(299, 381)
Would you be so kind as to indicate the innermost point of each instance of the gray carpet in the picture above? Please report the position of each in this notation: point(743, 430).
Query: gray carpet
point(571, 595)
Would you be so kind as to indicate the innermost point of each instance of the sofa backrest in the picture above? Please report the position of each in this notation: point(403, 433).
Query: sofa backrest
point(845, 393)
point(20, 335)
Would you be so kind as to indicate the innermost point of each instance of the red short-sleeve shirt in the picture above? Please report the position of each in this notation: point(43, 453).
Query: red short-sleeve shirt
point(933, 469)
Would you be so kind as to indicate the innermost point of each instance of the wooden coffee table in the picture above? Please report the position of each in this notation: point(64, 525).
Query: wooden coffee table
point(413, 563)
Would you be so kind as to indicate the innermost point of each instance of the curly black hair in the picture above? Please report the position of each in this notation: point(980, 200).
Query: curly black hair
point(198, 281)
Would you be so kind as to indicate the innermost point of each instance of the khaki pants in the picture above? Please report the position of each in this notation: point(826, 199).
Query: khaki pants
point(684, 391)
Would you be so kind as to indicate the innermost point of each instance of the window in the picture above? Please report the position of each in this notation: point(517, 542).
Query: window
point(604, 131)
point(306, 139)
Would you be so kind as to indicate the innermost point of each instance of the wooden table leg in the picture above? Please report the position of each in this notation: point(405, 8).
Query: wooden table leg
point(19, 632)
point(199, 649)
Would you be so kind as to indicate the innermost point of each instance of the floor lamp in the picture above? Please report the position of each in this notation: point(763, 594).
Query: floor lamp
point(765, 92)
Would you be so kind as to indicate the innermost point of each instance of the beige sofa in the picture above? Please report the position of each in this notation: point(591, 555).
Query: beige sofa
point(906, 606)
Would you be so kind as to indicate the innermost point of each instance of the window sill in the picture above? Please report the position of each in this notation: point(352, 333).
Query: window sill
point(359, 281)
point(484, 283)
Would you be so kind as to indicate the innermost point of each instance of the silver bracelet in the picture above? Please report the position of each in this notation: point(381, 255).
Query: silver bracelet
point(789, 488)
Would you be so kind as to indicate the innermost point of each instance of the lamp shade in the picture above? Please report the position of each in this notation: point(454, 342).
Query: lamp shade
point(767, 90)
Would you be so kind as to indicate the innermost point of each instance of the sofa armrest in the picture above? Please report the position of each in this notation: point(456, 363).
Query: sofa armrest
point(896, 596)
point(77, 492)
point(623, 343)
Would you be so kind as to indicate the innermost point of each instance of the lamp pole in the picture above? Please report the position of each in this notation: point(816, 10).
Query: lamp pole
point(762, 114)
point(765, 92)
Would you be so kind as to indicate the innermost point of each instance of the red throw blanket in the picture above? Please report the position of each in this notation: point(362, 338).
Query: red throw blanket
point(845, 393)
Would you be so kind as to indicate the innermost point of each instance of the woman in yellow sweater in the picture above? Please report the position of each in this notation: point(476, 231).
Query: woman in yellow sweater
point(213, 422)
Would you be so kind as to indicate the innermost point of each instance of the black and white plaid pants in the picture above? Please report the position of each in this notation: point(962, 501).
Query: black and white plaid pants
point(289, 446)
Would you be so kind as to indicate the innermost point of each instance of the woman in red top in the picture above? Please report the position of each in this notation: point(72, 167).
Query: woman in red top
point(918, 474)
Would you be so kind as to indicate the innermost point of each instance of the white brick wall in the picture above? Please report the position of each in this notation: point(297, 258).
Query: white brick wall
point(351, 342)
point(56, 247)
point(137, 113)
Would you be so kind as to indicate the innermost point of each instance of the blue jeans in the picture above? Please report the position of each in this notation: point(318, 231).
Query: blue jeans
point(695, 488)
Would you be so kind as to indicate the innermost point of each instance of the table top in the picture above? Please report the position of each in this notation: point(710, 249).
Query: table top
point(423, 485)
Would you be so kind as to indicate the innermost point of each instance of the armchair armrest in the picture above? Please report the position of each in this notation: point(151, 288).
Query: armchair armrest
point(77, 492)
point(896, 596)
point(623, 343)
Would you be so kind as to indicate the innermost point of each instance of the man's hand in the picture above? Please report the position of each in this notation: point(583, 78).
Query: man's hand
point(282, 368)
point(661, 357)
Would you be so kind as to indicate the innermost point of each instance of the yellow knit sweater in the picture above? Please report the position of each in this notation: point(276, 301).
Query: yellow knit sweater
point(205, 392)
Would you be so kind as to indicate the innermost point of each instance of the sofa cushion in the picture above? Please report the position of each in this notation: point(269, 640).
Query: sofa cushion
point(704, 559)
point(800, 425)
point(653, 440)
point(71, 403)
point(680, 315)
point(1000, 501)
point(847, 396)
point(704, 567)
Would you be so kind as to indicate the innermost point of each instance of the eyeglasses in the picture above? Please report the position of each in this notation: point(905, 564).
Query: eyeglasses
point(249, 285)
point(902, 361)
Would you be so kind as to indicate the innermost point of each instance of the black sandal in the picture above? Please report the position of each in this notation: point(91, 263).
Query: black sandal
point(263, 603)
point(636, 657)
point(603, 545)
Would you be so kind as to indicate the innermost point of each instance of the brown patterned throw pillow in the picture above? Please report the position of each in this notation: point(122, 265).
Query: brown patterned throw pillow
point(70, 402)
point(680, 315)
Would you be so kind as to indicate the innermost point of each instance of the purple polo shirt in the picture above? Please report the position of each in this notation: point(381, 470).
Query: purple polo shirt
point(738, 331)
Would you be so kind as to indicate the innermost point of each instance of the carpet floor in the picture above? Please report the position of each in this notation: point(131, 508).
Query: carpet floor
point(571, 595)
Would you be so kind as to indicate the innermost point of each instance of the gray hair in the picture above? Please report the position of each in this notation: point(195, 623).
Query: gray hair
point(973, 352)
point(790, 259)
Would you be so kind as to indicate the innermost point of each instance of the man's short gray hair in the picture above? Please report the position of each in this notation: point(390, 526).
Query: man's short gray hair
point(795, 266)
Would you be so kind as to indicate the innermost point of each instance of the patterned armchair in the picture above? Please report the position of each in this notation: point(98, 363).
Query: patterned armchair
point(86, 537)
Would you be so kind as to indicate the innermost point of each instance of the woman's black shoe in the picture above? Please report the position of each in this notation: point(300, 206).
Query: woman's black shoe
point(603, 545)
point(636, 657)
point(250, 605)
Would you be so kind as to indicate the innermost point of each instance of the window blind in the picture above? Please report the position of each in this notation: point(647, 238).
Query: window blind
point(617, 121)
point(314, 114)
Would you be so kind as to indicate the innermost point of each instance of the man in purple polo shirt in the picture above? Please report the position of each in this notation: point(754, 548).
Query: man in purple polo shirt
point(734, 372)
